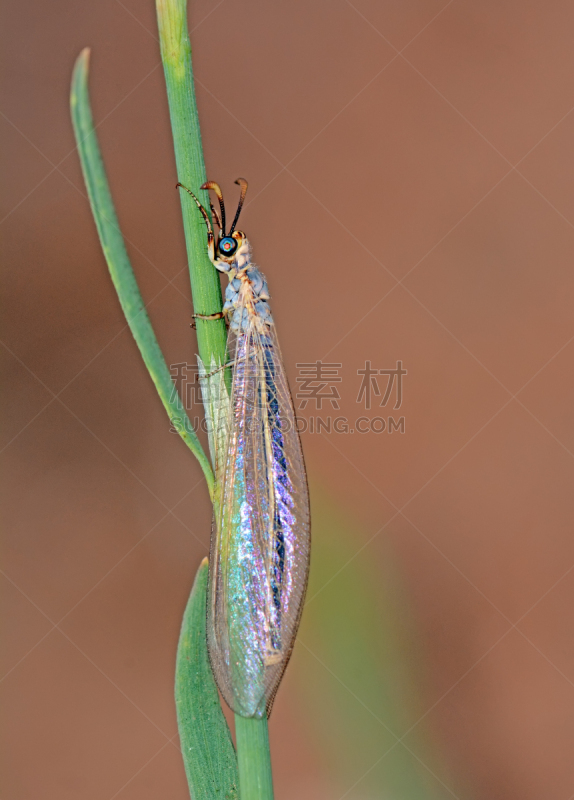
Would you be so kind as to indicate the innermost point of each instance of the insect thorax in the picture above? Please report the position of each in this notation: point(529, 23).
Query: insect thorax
point(247, 293)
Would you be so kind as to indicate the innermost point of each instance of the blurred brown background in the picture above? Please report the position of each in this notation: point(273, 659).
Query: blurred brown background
point(411, 171)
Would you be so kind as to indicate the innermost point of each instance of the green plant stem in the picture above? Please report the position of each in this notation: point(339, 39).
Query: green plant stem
point(119, 264)
point(205, 286)
point(253, 758)
point(251, 734)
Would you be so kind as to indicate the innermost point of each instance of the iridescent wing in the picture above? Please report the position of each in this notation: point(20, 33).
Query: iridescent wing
point(260, 546)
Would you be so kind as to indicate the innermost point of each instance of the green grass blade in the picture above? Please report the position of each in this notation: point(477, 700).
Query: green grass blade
point(208, 754)
point(360, 665)
point(206, 289)
point(118, 262)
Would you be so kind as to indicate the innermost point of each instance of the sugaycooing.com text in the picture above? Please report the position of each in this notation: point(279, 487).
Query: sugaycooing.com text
point(312, 424)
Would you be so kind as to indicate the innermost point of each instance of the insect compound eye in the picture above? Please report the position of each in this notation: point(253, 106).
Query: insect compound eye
point(227, 246)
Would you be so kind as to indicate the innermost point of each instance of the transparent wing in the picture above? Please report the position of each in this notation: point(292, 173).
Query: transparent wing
point(259, 558)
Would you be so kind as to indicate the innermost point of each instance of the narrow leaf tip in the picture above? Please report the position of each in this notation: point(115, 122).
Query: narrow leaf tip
point(83, 59)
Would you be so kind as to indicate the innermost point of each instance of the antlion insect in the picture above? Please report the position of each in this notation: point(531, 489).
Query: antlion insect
point(259, 559)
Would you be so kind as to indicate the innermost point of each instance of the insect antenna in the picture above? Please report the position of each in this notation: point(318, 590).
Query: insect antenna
point(243, 183)
point(217, 189)
point(216, 216)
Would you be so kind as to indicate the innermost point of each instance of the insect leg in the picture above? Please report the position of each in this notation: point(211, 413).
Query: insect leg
point(219, 315)
point(210, 237)
point(215, 371)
